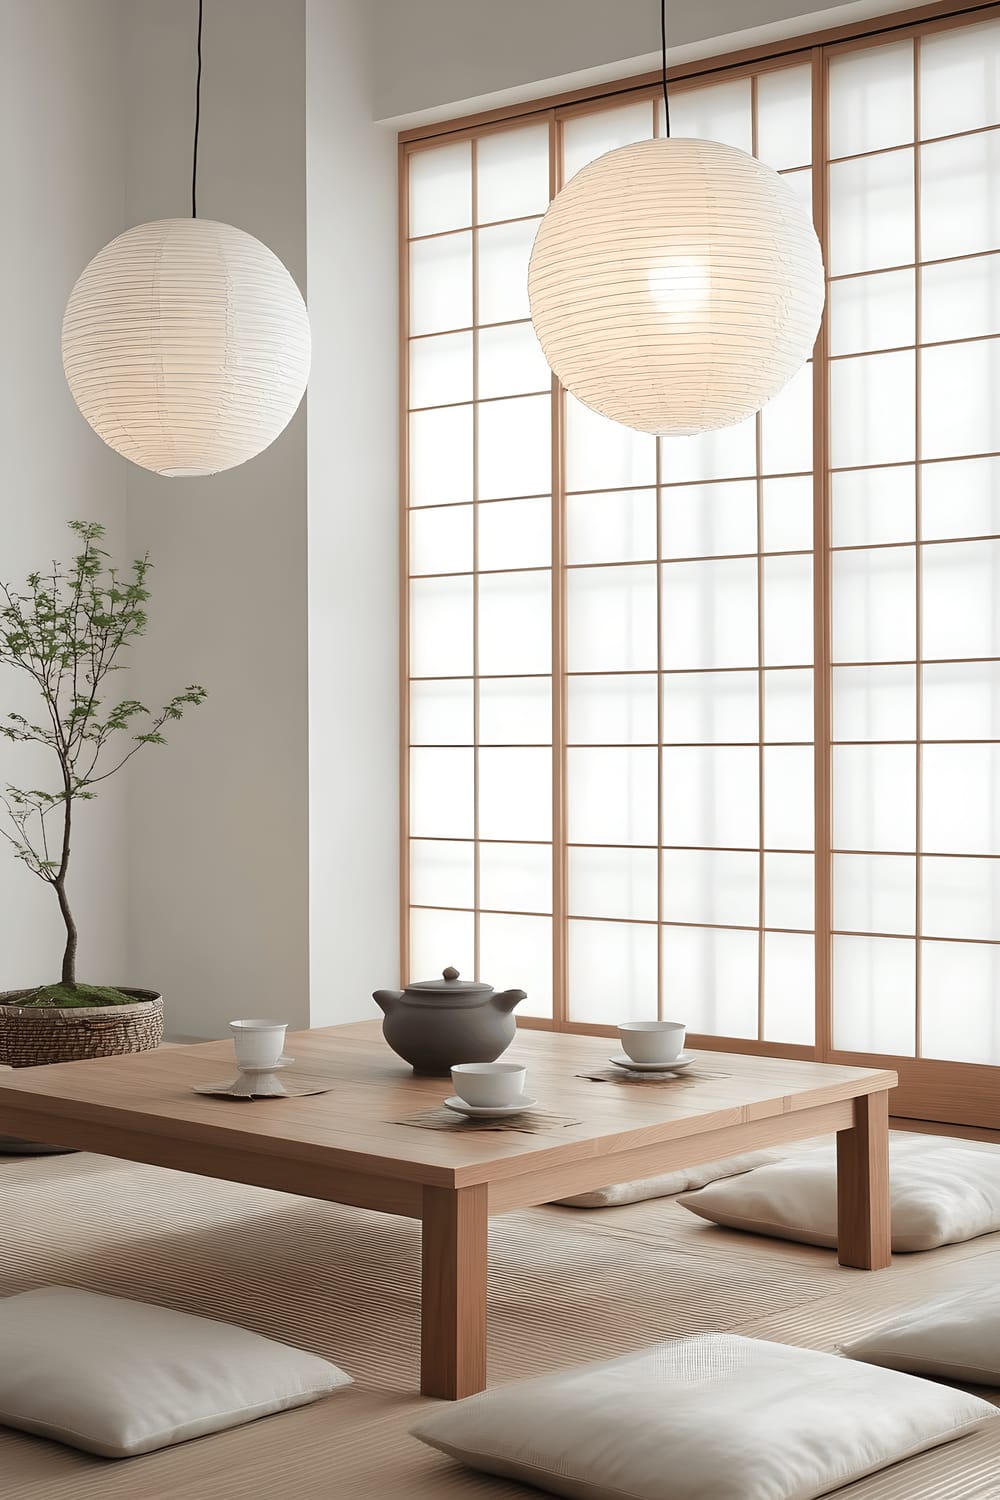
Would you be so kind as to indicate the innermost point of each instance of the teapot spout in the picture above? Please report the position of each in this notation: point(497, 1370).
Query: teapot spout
point(508, 999)
point(387, 1000)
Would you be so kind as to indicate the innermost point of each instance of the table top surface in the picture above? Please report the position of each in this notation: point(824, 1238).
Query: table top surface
point(356, 1125)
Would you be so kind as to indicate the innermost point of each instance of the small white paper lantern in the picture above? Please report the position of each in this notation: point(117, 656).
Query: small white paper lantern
point(676, 285)
point(186, 346)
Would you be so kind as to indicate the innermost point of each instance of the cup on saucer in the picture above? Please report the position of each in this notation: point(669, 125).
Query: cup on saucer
point(653, 1042)
point(259, 1044)
point(495, 1085)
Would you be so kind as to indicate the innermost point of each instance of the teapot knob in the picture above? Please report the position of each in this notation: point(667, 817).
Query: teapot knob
point(449, 973)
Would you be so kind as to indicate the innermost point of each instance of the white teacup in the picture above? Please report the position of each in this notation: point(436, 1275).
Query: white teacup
point(653, 1041)
point(259, 1044)
point(494, 1084)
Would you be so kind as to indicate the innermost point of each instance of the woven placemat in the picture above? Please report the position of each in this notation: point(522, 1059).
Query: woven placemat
point(532, 1122)
point(622, 1075)
point(296, 1086)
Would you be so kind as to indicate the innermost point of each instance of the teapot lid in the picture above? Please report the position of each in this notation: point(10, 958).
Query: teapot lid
point(450, 984)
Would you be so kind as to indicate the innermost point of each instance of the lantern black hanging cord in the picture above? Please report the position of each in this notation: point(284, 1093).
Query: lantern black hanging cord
point(197, 120)
point(663, 63)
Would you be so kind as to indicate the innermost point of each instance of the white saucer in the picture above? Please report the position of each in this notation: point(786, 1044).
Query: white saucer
point(488, 1111)
point(683, 1060)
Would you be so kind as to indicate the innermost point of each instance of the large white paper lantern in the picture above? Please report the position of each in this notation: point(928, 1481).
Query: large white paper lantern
point(186, 346)
point(676, 285)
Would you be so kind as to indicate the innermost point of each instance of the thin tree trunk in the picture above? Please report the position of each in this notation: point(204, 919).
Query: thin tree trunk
point(69, 953)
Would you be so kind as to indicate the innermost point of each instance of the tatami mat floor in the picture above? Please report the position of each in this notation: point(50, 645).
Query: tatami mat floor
point(565, 1286)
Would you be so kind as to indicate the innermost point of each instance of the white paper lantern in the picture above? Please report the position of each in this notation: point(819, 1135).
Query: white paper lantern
point(676, 285)
point(186, 346)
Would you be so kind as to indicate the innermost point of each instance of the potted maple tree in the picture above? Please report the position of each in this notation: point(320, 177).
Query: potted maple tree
point(66, 630)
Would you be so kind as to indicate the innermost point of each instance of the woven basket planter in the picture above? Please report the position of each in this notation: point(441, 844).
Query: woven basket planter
point(32, 1037)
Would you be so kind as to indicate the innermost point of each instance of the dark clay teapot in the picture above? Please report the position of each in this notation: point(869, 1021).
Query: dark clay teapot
point(440, 1022)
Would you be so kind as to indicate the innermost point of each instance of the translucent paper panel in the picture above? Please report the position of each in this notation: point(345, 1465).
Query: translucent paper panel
point(618, 526)
point(873, 505)
point(873, 409)
point(441, 456)
point(720, 112)
point(441, 713)
point(784, 117)
point(440, 938)
point(613, 883)
point(611, 710)
point(725, 453)
point(961, 801)
point(710, 979)
point(441, 369)
point(960, 299)
point(709, 519)
point(612, 796)
point(441, 283)
point(441, 627)
point(962, 701)
point(612, 971)
point(789, 898)
point(874, 797)
point(786, 427)
point(789, 988)
point(960, 79)
point(515, 534)
point(591, 135)
point(961, 898)
point(604, 455)
point(961, 589)
point(871, 213)
point(871, 99)
point(959, 214)
point(873, 312)
point(504, 252)
point(874, 893)
point(516, 953)
point(788, 610)
point(709, 613)
point(611, 619)
point(705, 707)
point(515, 710)
point(789, 819)
point(711, 797)
point(515, 877)
point(515, 447)
point(441, 539)
point(961, 498)
point(442, 872)
point(874, 988)
point(441, 793)
point(713, 886)
point(788, 706)
point(512, 173)
point(874, 703)
point(958, 414)
point(515, 794)
point(787, 514)
point(511, 361)
point(515, 623)
point(440, 188)
point(874, 605)
point(960, 1019)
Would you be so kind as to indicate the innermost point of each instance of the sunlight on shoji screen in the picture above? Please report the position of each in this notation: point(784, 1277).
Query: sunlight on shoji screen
point(480, 527)
point(915, 432)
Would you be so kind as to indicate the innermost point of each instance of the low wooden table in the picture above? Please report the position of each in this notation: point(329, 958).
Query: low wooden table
point(347, 1146)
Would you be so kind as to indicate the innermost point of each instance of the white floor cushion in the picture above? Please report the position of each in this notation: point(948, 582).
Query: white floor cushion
point(956, 1337)
point(668, 1183)
point(709, 1418)
point(117, 1378)
point(942, 1192)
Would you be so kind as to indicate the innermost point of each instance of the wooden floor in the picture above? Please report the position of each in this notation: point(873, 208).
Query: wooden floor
point(566, 1286)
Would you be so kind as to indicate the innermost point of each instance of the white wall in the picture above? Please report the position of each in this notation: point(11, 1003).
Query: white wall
point(62, 124)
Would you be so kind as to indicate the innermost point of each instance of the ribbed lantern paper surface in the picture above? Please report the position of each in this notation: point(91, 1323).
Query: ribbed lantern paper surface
point(676, 285)
point(186, 346)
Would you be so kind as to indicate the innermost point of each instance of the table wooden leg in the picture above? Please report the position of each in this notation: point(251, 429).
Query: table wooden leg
point(453, 1295)
point(863, 1227)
